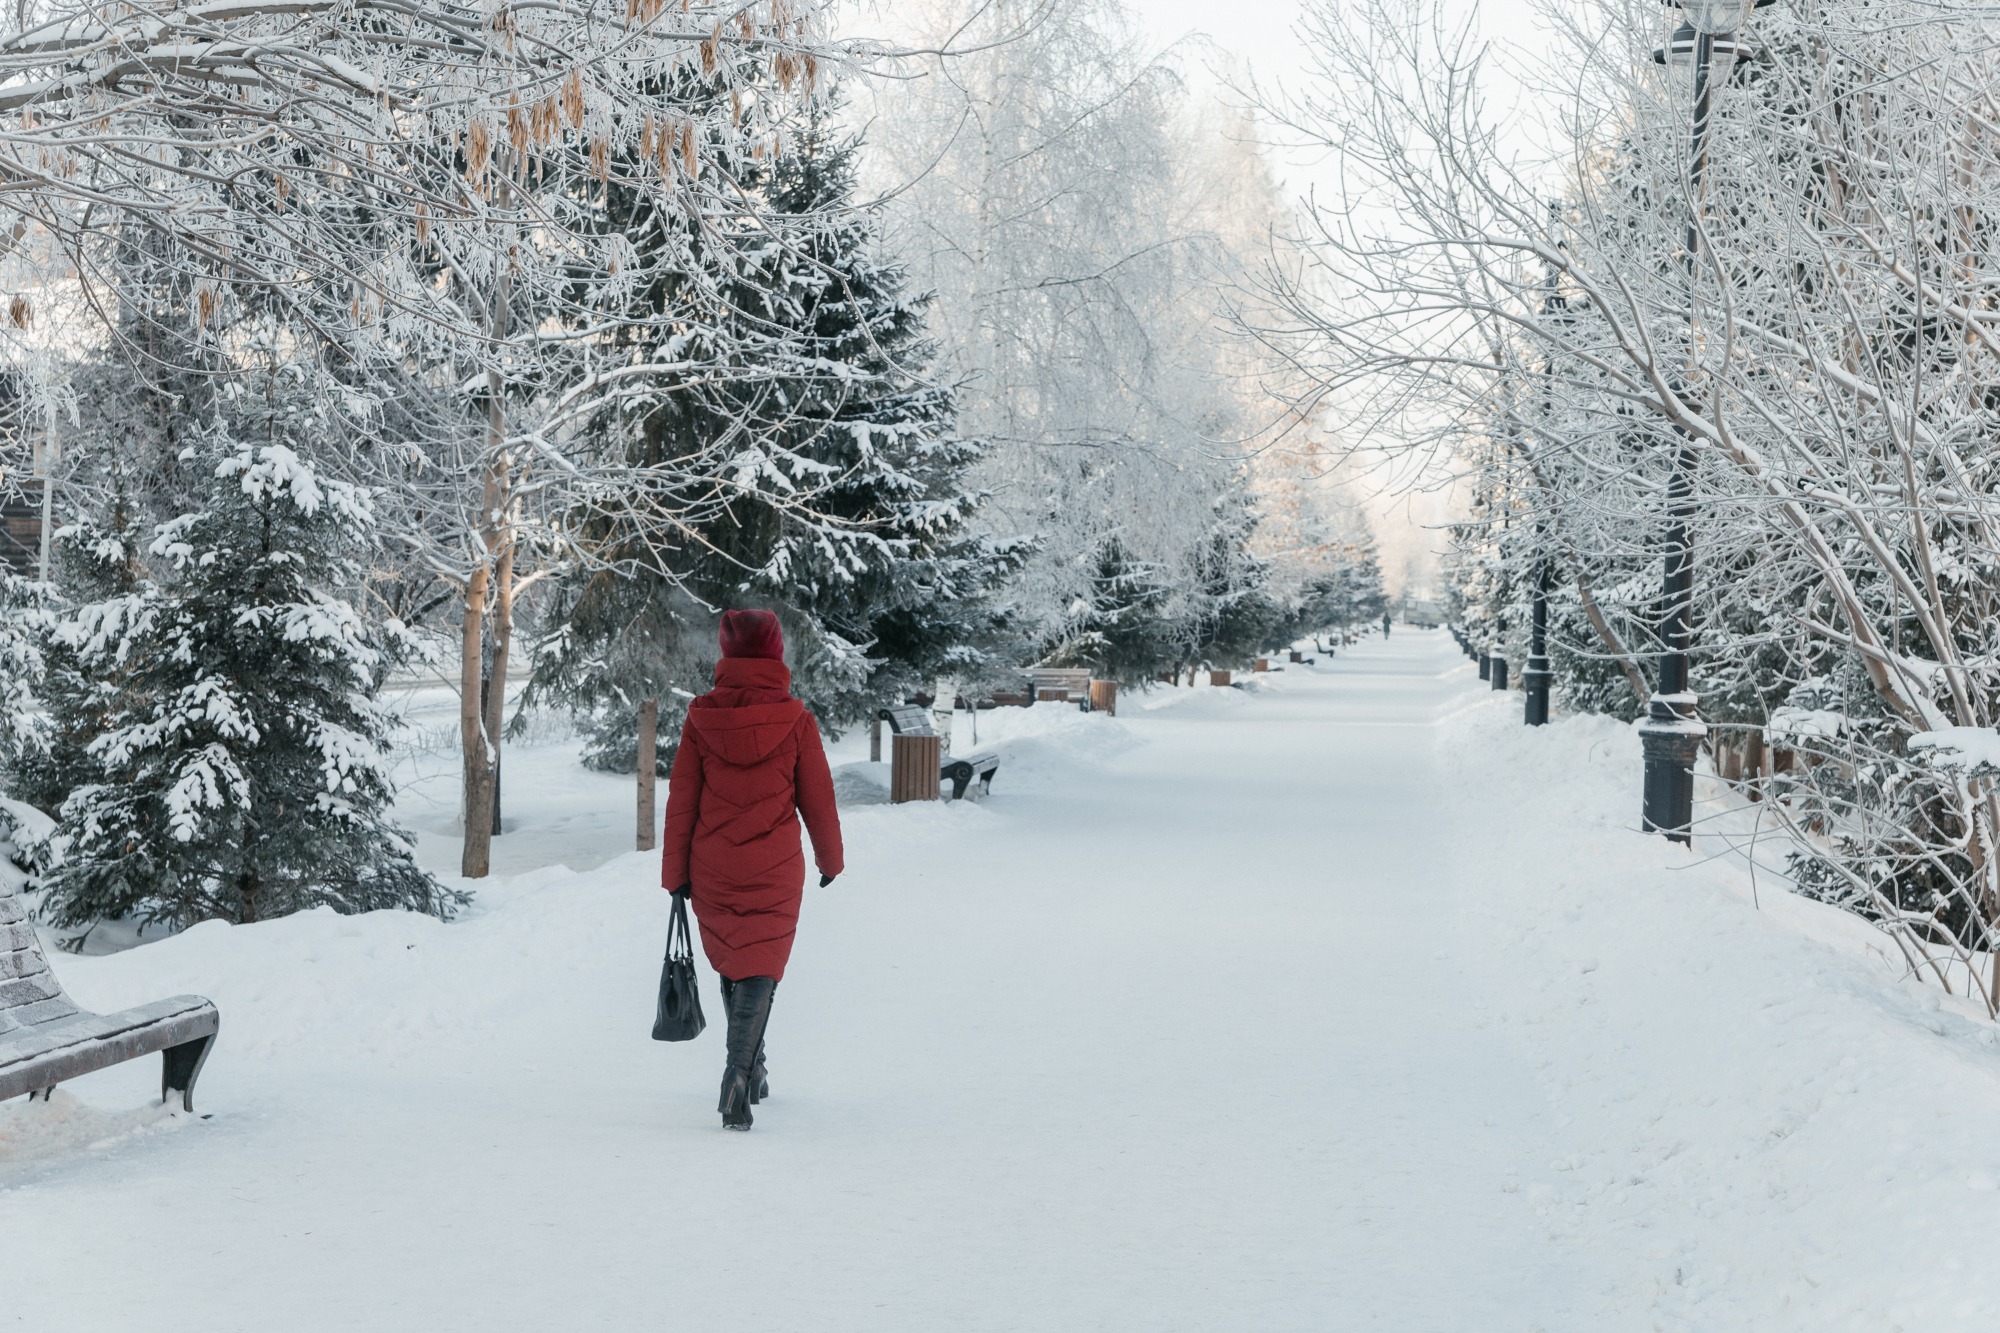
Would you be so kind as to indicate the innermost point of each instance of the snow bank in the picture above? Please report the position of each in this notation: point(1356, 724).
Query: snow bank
point(1344, 1003)
point(1778, 1127)
point(64, 1127)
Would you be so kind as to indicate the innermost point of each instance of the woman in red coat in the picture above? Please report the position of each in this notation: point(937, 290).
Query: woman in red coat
point(750, 763)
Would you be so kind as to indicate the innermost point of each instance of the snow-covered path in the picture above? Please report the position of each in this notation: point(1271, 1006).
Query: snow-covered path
point(1242, 1011)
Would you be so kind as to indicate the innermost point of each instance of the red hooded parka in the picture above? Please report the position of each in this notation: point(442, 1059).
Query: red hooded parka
point(750, 756)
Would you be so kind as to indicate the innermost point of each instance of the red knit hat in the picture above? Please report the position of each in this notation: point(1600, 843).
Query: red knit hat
point(752, 634)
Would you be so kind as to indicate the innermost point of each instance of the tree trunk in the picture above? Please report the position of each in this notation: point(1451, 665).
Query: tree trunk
point(649, 759)
point(476, 858)
point(246, 893)
point(480, 711)
point(495, 700)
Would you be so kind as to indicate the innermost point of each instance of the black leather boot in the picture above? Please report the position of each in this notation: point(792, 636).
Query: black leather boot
point(749, 1002)
point(760, 1078)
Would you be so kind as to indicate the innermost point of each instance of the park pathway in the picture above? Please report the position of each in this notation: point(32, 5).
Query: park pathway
point(1175, 1039)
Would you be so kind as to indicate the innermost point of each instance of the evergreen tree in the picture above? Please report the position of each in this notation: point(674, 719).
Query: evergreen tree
point(21, 665)
point(1232, 616)
point(236, 770)
point(845, 505)
point(1124, 632)
point(96, 564)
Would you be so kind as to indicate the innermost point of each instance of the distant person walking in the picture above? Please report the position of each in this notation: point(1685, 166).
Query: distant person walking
point(1385, 624)
point(750, 763)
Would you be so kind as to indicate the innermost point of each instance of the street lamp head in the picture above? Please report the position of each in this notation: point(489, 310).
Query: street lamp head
point(1725, 49)
point(1719, 16)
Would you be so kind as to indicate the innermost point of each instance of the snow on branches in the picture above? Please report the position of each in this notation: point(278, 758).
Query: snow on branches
point(1809, 329)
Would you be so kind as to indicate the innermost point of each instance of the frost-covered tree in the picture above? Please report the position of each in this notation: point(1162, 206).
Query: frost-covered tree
point(1792, 353)
point(237, 766)
point(1082, 219)
point(405, 198)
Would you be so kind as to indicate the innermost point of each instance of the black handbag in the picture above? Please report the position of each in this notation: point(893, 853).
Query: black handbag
point(679, 1017)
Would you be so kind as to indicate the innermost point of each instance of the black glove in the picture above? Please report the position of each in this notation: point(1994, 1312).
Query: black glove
point(825, 880)
point(683, 891)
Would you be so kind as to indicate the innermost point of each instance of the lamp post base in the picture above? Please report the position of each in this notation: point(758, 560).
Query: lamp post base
point(1485, 667)
point(1499, 673)
point(1535, 678)
point(1671, 736)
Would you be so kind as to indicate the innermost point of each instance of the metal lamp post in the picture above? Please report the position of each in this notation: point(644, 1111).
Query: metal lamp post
point(1537, 675)
point(1672, 733)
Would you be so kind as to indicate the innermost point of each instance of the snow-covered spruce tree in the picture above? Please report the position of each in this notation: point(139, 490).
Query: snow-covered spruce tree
point(95, 564)
point(239, 763)
point(22, 610)
point(886, 574)
point(1121, 630)
point(21, 665)
point(1229, 616)
point(846, 492)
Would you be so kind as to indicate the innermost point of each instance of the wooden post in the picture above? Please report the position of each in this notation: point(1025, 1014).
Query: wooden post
point(649, 761)
point(913, 769)
point(875, 739)
point(1298, 656)
point(1263, 664)
point(1104, 697)
point(1218, 678)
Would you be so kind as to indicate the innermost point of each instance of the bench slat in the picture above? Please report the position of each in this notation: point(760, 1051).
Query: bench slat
point(11, 909)
point(19, 935)
point(88, 1052)
point(28, 989)
point(16, 963)
point(33, 1015)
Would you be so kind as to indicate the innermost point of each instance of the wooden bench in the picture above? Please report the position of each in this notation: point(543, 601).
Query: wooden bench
point(45, 1039)
point(916, 765)
point(961, 773)
point(1060, 685)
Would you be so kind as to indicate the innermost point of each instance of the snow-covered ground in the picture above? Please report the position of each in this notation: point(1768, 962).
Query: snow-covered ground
point(1340, 1002)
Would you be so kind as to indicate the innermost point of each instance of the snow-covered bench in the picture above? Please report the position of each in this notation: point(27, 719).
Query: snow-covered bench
point(961, 773)
point(908, 721)
point(1061, 685)
point(45, 1039)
